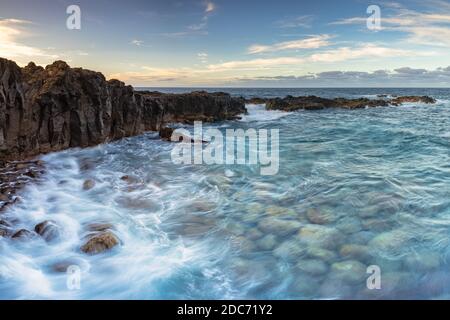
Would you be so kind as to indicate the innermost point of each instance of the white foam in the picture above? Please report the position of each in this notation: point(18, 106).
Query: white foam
point(258, 112)
point(146, 257)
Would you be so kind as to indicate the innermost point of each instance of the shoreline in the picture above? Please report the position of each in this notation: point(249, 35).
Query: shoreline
point(124, 112)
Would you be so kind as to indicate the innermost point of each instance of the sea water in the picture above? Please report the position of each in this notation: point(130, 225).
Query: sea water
point(355, 188)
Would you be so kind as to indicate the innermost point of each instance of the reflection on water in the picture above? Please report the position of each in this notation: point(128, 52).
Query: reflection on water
point(355, 188)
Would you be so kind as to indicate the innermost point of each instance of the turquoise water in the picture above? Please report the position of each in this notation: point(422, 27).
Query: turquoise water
point(355, 188)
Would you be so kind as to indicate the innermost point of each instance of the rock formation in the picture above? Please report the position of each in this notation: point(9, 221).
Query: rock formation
point(291, 103)
point(58, 107)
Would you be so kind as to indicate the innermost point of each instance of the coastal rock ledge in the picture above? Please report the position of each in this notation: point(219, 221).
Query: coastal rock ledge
point(59, 107)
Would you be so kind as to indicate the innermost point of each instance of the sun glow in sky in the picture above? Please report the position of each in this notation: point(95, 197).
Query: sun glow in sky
point(237, 43)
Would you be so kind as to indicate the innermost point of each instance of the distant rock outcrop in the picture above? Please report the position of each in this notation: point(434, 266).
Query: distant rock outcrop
point(58, 107)
point(291, 103)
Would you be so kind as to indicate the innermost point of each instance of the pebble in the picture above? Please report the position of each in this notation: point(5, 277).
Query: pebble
point(322, 254)
point(321, 236)
point(319, 216)
point(356, 252)
point(289, 250)
point(278, 226)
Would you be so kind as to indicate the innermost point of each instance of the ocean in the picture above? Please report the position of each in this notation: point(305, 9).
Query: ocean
point(356, 191)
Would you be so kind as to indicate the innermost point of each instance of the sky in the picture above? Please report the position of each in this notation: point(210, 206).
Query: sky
point(231, 43)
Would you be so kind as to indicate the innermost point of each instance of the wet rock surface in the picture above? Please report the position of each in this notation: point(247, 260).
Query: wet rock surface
point(48, 230)
point(100, 242)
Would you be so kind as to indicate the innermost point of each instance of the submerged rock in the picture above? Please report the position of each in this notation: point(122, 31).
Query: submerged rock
point(313, 267)
point(278, 226)
point(100, 242)
point(322, 254)
point(321, 236)
point(350, 271)
point(289, 250)
point(423, 261)
point(268, 242)
point(356, 252)
point(305, 286)
point(319, 217)
point(391, 242)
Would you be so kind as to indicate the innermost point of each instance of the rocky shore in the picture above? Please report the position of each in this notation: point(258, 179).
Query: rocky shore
point(291, 103)
point(58, 107)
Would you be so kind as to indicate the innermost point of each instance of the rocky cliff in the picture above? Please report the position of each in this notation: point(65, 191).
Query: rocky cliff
point(58, 107)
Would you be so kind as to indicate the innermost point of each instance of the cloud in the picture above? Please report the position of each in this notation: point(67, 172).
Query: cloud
point(304, 21)
point(363, 51)
point(405, 76)
point(11, 32)
point(203, 57)
point(137, 42)
point(400, 77)
point(332, 55)
point(424, 28)
point(197, 28)
point(313, 42)
point(210, 7)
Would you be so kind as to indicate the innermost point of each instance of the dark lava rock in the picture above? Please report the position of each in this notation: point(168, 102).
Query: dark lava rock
point(100, 242)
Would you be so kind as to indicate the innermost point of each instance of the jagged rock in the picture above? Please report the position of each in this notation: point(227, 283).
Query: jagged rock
point(100, 242)
point(57, 107)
